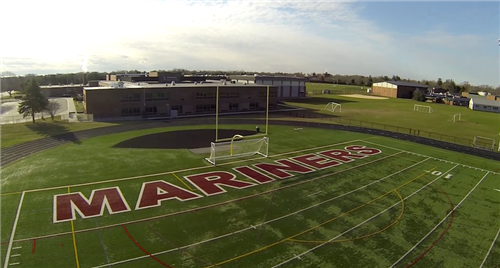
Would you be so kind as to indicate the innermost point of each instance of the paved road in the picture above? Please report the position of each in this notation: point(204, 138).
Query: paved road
point(16, 152)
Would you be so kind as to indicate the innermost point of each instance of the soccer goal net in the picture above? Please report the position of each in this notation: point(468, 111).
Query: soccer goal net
point(422, 108)
point(333, 107)
point(457, 117)
point(484, 143)
point(238, 147)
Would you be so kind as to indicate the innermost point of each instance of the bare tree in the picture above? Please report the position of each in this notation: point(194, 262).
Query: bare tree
point(52, 108)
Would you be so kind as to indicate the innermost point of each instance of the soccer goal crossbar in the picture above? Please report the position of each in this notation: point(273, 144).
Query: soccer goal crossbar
point(484, 143)
point(238, 147)
point(333, 107)
point(422, 108)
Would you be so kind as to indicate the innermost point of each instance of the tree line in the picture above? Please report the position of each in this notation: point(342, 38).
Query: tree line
point(17, 83)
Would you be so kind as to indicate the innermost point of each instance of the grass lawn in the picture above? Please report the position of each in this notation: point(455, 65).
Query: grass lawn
point(399, 112)
point(366, 210)
point(79, 106)
point(13, 134)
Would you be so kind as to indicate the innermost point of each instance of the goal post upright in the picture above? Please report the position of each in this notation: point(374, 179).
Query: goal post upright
point(267, 111)
point(217, 116)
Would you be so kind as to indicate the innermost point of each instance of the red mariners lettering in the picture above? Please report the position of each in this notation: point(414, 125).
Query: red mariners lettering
point(344, 156)
point(154, 192)
point(363, 150)
point(65, 205)
point(210, 183)
point(253, 175)
point(278, 170)
point(316, 161)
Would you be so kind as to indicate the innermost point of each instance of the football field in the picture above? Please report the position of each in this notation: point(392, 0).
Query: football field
point(322, 198)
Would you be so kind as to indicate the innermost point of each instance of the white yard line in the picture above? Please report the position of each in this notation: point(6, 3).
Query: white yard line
point(182, 170)
point(378, 214)
point(267, 222)
point(451, 162)
point(315, 193)
point(489, 251)
point(9, 247)
point(212, 205)
point(437, 225)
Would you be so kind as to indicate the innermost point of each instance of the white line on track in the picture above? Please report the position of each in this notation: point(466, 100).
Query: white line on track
point(315, 193)
point(182, 170)
point(431, 157)
point(212, 205)
point(273, 220)
point(437, 225)
point(378, 214)
point(489, 250)
point(14, 226)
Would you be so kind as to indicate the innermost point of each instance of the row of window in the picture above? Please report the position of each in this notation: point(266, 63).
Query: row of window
point(158, 96)
point(199, 108)
point(486, 107)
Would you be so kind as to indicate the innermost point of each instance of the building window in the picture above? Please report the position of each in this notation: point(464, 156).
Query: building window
point(254, 105)
point(205, 108)
point(151, 110)
point(178, 108)
point(132, 98)
point(131, 111)
point(485, 107)
point(477, 106)
point(495, 108)
point(209, 95)
point(158, 96)
point(233, 107)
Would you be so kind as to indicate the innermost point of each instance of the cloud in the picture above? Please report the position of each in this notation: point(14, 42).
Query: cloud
point(225, 35)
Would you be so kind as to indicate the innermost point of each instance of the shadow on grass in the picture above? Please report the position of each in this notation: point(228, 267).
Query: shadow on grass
point(54, 130)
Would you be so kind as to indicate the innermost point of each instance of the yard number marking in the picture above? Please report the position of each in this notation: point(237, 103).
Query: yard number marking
point(438, 173)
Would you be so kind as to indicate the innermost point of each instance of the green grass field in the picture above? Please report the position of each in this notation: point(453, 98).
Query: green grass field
point(399, 112)
point(406, 205)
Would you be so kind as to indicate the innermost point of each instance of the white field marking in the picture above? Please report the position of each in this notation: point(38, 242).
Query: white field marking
point(451, 162)
point(491, 247)
point(11, 239)
point(263, 223)
point(15, 263)
point(182, 170)
point(15, 255)
point(298, 257)
point(253, 227)
point(378, 214)
point(315, 193)
point(437, 225)
point(17, 247)
point(212, 205)
point(497, 190)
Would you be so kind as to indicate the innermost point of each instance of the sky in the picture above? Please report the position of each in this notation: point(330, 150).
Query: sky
point(417, 40)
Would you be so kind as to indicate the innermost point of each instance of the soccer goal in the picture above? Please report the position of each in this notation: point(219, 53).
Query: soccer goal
point(457, 117)
point(484, 143)
point(422, 108)
point(238, 147)
point(333, 106)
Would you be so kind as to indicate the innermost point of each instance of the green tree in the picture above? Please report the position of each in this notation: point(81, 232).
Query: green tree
point(33, 101)
point(439, 82)
point(418, 95)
